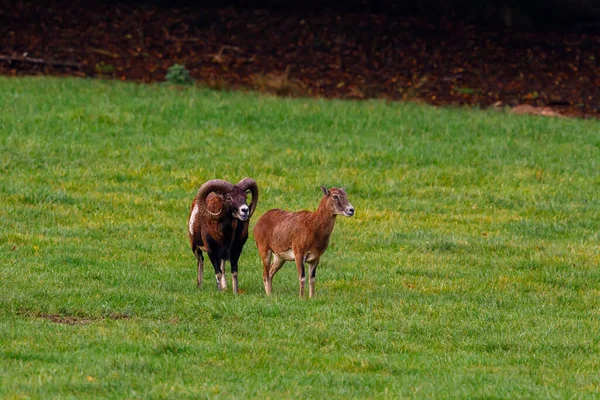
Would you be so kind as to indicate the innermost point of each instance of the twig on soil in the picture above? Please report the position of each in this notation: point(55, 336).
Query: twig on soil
point(218, 58)
point(32, 60)
point(103, 52)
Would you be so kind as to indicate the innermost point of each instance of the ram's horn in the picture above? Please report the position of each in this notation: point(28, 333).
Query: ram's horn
point(250, 184)
point(215, 185)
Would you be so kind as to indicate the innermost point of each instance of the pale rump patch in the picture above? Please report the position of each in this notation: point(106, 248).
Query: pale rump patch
point(287, 255)
point(193, 219)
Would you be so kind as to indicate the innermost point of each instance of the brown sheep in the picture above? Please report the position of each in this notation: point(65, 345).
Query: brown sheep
point(218, 225)
point(302, 236)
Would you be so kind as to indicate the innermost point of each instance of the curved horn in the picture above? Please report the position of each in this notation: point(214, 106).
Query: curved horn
point(250, 184)
point(215, 185)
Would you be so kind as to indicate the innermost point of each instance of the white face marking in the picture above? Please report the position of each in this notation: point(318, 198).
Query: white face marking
point(193, 219)
point(243, 212)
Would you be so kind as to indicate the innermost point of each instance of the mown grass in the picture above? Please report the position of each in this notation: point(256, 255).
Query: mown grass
point(470, 270)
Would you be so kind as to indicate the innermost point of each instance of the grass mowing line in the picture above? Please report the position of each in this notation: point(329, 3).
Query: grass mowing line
point(469, 270)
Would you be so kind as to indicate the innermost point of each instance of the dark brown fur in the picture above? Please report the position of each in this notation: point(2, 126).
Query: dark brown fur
point(305, 233)
point(221, 238)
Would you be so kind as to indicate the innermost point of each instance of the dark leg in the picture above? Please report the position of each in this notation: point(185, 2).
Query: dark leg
point(200, 258)
point(235, 256)
point(223, 280)
point(218, 264)
point(313, 274)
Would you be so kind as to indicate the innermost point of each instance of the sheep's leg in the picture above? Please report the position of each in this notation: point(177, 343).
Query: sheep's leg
point(275, 266)
point(219, 270)
point(313, 273)
point(236, 252)
point(267, 280)
point(223, 285)
point(234, 280)
point(301, 274)
point(200, 259)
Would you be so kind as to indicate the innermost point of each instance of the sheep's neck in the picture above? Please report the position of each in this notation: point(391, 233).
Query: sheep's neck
point(323, 218)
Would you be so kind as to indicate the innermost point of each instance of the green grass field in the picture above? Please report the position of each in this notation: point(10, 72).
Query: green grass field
point(471, 269)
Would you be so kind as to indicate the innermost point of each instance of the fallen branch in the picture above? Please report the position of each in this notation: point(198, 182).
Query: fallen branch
point(103, 52)
point(176, 39)
point(218, 58)
point(32, 60)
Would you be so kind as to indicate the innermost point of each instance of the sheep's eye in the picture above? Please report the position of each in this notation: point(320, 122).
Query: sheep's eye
point(335, 197)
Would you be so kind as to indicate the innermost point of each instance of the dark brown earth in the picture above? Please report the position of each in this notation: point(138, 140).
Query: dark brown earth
point(322, 54)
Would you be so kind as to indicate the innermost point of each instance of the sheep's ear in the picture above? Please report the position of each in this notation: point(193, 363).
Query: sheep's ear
point(325, 190)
